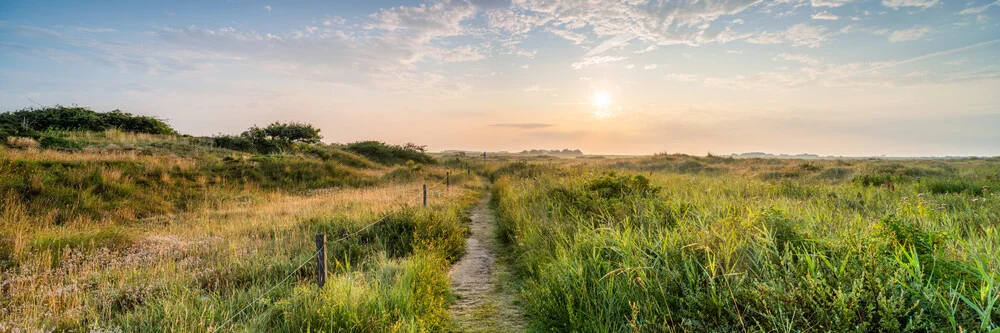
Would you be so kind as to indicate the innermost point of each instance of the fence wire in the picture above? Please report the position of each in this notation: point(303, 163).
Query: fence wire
point(304, 262)
point(296, 270)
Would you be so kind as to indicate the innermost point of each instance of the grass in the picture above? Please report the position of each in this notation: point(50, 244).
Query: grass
point(680, 243)
point(138, 232)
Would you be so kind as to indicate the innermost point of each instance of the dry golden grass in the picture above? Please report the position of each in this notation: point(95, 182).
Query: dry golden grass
point(127, 266)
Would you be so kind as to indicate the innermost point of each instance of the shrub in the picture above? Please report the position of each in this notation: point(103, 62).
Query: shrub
point(234, 142)
point(57, 142)
point(275, 138)
point(27, 122)
point(390, 154)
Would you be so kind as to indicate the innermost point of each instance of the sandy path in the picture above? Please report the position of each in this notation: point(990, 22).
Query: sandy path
point(484, 304)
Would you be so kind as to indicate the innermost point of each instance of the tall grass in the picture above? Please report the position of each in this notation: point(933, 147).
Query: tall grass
point(721, 247)
point(172, 235)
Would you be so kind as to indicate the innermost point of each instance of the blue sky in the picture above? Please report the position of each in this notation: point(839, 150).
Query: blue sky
point(834, 77)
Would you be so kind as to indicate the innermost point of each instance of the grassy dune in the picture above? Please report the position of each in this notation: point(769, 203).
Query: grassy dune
point(137, 232)
point(678, 243)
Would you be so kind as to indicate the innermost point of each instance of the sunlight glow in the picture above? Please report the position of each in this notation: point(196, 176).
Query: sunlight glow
point(601, 99)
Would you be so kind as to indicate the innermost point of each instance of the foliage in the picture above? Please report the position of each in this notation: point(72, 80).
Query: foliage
point(733, 251)
point(163, 233)
point(390, 154)
point(29, 122)
point(275, 138)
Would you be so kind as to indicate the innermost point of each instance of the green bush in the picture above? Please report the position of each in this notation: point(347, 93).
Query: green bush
point(275, 138)
point(390, 154)
point(57, 142)
point(27, 122)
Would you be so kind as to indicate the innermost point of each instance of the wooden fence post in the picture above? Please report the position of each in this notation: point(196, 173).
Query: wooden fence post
point(447, 180)
point(425, 195)
point(321, 259)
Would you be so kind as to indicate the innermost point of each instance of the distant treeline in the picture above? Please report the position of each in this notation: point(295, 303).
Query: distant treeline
point(553, 151)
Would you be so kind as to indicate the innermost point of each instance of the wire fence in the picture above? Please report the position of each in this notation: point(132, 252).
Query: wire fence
point(296, 270)
point(313, 256)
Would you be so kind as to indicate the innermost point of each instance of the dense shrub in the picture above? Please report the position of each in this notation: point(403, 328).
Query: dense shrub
point(275, 138)
point(28, 122)
point(390, 154)
point(57, 142)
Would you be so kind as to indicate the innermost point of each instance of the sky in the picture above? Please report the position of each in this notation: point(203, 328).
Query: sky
point(830, 77)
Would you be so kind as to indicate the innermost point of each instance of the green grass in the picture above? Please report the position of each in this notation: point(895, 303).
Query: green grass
point(138, 232)
point(717, 244)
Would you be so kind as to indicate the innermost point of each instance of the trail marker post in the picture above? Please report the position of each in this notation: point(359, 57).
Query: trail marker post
point(321, 259)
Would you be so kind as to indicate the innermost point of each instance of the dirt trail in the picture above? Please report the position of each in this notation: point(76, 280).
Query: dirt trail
point(485, 303)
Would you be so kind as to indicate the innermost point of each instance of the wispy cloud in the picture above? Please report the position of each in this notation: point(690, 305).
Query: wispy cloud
point(904, 35)
point(592, 61)
point(923, 4)
point(979, 9)
point(799, 58)
point(825, 15)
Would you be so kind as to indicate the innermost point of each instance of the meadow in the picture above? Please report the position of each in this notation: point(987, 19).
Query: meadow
point(116, 231)
point(683, 243)
point(124, 225)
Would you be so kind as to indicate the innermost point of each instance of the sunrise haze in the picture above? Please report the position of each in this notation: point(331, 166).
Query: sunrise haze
point(830, 77)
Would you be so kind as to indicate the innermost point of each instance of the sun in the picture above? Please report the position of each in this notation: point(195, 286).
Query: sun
point(601, 99)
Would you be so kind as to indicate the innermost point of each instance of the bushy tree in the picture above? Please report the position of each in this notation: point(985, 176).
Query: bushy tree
point(275, 138)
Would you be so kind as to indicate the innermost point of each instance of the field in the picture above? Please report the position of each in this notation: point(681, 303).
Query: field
point(105, 231)
point(139, 232)
point(681, 243)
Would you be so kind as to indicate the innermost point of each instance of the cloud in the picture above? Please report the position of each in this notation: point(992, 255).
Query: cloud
point(268, 8)
point(825, 15)
point(980, 9)
point(909, 34)
point(629, 66)
point(425, 21)
point(894, 63)
point(800, 58)
point(592, 61)
point(831, 3)
point(687, 22)
point(568, 35)
point(798, 35)
point(897, 4)
point(522, 125)
point(649, 67)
